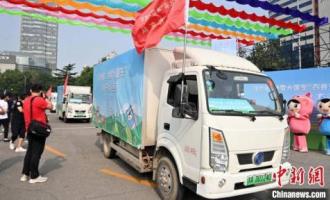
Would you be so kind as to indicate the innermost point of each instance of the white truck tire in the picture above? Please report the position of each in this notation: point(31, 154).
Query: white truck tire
point(167, 180)
point(108, 152)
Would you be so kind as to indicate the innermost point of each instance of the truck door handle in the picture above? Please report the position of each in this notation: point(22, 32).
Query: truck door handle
point(167, 126)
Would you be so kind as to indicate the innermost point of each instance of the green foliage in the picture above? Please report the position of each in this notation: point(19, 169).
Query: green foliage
point(18, 82)
point(12, 81)
point(85, 78)
point(268, 56)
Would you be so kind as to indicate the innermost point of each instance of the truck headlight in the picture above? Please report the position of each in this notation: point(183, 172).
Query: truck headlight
point(90, 110)
point(286, 146)
point(218, 151)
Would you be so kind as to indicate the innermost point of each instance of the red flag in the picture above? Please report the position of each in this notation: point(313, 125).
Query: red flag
point(159, 18)
point(65, 85)
point(49, 92)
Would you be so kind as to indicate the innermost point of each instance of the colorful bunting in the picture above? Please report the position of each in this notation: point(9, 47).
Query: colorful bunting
point(91, 25)
point(93, 8)
point(208, 21)
point(67, 11)
point(231, 28)
point(278, 9)
point(111, 4)
point(141, 3)
point(115, 23)
point(225, 32)
point(238, 23)
point(210, 7)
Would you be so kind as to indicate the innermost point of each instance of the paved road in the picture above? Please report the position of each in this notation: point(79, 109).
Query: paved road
point(76, 168)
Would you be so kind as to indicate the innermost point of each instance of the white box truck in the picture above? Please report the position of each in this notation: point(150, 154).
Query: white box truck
point(53, 99)
point(219, 129)
point(76, 104)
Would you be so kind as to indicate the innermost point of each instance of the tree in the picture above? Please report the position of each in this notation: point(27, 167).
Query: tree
point(268, 56)
point(18, 82)
point(12, 81)
point(61, 74)
point(86, 77)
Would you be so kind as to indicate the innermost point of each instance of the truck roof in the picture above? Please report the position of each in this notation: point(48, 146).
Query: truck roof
point(204, 57)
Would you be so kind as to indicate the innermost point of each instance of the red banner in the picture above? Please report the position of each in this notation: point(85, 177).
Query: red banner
point(65, 92)
point(159, 18)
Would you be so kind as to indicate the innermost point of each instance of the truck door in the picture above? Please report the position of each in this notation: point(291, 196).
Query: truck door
point(184, 130)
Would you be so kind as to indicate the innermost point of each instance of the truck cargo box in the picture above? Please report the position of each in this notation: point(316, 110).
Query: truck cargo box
point(126, 95)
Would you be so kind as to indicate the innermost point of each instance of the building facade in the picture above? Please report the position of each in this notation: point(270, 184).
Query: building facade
point(300, 47)
point(39, 39)
point(11, 60)
point(7, 62)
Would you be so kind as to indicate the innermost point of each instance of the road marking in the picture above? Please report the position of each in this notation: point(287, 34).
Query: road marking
point(54, 151)
point(72, 128)
point(128, 178)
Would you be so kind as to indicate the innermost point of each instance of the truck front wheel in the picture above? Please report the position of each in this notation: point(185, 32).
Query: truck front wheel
point(108, 152)
point(168, 184)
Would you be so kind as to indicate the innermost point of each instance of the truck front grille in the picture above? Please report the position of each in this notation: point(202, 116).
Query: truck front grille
point(246, 158)
point(80, 111)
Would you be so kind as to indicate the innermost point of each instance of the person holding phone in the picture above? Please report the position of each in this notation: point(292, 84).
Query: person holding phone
point(39, 104)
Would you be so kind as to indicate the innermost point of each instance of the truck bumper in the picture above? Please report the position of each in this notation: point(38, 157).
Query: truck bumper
point(74, 116)
point(234, 186)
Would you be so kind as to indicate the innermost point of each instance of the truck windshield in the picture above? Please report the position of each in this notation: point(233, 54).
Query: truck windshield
point(80, 98)
point(236, 93)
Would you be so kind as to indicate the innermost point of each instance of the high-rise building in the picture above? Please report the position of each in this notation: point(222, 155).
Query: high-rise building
point(40, 39)
point(299, 47)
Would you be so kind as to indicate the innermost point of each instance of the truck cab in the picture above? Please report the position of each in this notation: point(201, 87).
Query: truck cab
point(221, 126)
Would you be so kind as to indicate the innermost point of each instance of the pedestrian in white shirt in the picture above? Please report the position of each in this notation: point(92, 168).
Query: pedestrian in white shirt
point(4, 116)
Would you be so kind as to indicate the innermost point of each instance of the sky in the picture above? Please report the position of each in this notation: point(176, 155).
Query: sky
point(85, 46)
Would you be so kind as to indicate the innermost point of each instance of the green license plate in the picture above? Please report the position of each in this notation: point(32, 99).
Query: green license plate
point(258, 179)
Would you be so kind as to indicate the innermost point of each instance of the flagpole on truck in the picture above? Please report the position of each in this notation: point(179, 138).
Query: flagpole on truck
point(184, 47)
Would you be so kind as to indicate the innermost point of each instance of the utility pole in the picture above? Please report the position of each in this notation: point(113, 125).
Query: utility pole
point(299, 47)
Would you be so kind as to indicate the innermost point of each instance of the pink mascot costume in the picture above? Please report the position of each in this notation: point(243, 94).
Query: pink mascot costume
point(300, 108)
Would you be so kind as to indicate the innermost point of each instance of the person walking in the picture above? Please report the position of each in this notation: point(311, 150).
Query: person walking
point(36, 144)
point(17, 125)
point(4, 116)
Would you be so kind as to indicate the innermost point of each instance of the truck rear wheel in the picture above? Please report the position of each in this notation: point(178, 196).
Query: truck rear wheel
point(167, 179)
point(108, 152)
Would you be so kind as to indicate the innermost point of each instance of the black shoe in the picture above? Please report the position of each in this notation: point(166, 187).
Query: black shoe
point(6, 140)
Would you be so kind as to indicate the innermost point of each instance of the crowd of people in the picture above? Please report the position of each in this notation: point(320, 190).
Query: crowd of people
point(18, 112)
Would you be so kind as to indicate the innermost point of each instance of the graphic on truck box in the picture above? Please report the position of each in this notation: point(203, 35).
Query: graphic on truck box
point(118, 100)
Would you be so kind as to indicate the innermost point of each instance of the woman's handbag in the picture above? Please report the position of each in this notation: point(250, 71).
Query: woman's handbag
point(37, 128)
